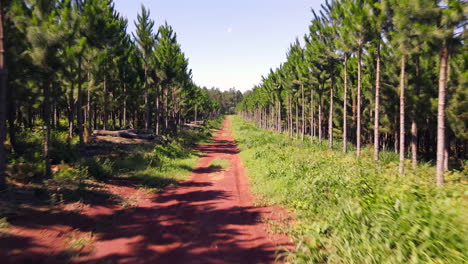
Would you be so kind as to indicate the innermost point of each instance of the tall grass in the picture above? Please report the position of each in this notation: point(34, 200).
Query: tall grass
point(353, 210)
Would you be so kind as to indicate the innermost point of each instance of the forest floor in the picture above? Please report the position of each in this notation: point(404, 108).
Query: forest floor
point(209, 218)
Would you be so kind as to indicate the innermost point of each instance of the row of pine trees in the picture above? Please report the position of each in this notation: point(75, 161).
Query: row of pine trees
point(75, 60)
point(392, 73)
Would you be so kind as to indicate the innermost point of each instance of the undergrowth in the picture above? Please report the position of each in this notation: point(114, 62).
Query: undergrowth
point(151, 166)
point(353, 210)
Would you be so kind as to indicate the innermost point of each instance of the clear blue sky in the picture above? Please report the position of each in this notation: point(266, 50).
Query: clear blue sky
point(229, 43)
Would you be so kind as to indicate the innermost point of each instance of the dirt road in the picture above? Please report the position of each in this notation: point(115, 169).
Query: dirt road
point(207, 219)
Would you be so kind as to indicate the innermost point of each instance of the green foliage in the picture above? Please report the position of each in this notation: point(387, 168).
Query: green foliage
point(65, 171)
point(228, 99)
point(214, 123)
point(26, 172)
point(353, 210)
point(99, 168)
point(63, 148)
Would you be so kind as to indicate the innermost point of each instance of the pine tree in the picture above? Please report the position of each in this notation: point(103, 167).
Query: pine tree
point(145, 40)
point(3, 94)
point(45, 37)
point(453, 17)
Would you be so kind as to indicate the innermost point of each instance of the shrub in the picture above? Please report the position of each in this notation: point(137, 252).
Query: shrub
point(99, 168)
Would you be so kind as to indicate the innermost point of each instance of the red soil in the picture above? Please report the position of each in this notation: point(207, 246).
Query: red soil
point(210, 218)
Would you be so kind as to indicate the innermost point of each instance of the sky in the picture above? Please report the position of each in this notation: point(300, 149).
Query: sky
point(229, 43)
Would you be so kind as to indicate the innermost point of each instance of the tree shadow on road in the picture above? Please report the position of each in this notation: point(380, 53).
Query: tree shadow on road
point(177, 228)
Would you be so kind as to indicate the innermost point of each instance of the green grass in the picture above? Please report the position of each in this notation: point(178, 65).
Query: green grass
point(219, 164)
point(150, 166)
point(353, 210)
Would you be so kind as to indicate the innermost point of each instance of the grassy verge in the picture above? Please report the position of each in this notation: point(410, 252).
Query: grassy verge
point(79, 173)
point(353, 210)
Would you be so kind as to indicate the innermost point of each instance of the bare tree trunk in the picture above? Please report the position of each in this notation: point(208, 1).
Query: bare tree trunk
point(106, 114)
point(79, 105)
point(166, 114)
point(312, 121)
point(377, 105)
point(46, 118)
point(358, 121)
point(71, 109)
point(290, 117)
point(414, 124)
point(345, 106)
point(401, 167)
point(297, 119)
point(158, 111)
point(147, 109)
point(303, 113)
point(88, 104)
point(320, 116)
point(330, 115)
point(113, 113)
point(280, 129)
point(444, 55)
point(124, 114)
point(3, 92)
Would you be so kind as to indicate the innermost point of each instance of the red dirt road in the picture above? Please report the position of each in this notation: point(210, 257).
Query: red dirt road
point(210, 218)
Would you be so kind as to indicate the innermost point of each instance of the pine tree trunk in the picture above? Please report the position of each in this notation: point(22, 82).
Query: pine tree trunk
point(345, 106)
point(280, 128)
point(330, 115)
point(46, 118)
point(297, 119)
point(3, 92)
point(166, 109)
point(124, 114)
point(320, 116)
point(147, 109)
point(71, 109)
point(158, 111)
point(88, 104)
point(290, 117)
point(312, 121)
point(80, 104)
point(303, 113)
point(113, 114)
point(444, 55)
point(377, 105)
point(358, 121)
point(106, 114)
point(401, 167)
point(414, 124)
